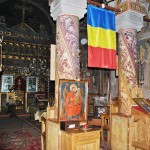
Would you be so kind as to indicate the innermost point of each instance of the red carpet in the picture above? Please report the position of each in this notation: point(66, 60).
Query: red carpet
point(18, 135)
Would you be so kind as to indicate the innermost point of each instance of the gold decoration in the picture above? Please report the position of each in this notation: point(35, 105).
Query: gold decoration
point(137, 92)
point(135, 6)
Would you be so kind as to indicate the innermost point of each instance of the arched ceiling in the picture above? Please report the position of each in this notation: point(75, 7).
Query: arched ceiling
point(36, 13)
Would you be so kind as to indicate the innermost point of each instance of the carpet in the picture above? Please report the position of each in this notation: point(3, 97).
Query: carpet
point(15, 134)
point(105, 145)
point(32, 122)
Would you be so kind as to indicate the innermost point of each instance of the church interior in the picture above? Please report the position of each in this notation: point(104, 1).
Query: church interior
point(51, 99)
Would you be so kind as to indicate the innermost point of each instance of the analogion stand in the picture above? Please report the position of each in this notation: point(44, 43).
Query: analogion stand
point(75, 139)
point(53, 137)
point(80, 139)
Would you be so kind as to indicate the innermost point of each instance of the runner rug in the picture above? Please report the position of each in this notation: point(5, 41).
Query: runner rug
point(15, 134)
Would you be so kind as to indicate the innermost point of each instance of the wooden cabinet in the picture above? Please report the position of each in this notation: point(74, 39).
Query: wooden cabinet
point(120, 132)
point(130, 132)
point(49, 131)
point(52, 135)
point(77, 140)
point(57, 139)
point(141, 132)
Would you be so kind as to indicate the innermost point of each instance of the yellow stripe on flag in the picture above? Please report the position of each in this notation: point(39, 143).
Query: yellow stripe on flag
point(99, 37)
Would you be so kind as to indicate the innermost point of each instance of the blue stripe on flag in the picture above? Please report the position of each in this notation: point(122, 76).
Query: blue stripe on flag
point(99, 17)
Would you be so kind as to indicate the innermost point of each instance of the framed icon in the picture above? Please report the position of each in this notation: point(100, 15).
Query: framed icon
point(32, 84)
point(73, 100)
point(143, 104)
point(7, 83)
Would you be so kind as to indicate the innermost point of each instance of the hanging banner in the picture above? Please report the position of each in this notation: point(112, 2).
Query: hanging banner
point(101, 38)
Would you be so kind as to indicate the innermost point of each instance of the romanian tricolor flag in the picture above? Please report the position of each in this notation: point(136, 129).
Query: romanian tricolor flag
point(101, 38)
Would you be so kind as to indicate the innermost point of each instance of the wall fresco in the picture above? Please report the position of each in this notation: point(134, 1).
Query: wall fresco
point(67, 47)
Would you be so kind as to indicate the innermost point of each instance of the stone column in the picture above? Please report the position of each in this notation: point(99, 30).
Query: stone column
point(128, 23)
point(67, 15)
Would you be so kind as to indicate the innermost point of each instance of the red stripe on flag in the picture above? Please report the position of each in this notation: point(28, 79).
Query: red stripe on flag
point(101, 57)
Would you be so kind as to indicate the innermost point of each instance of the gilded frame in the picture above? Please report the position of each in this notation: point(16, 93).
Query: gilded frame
point(73, 97)
point(143, 104)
